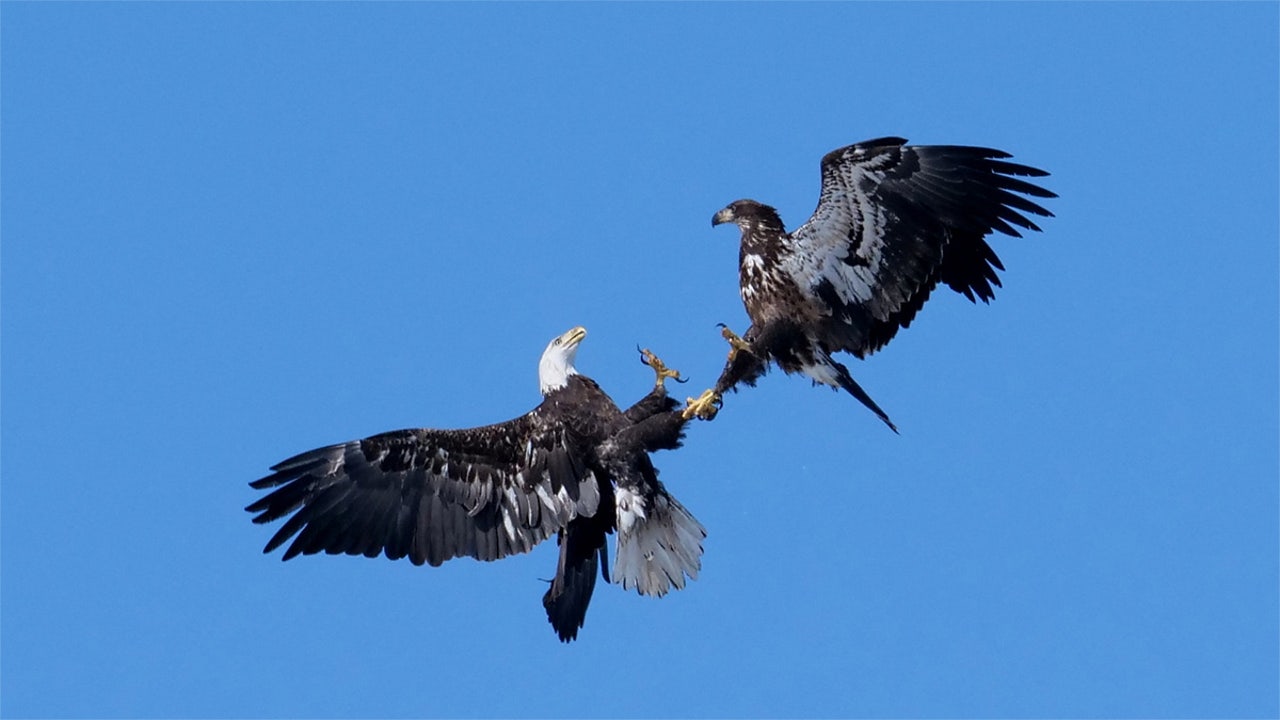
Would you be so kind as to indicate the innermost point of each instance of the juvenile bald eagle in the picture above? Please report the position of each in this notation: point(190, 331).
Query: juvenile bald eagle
point(892, 222)
point(576, 467)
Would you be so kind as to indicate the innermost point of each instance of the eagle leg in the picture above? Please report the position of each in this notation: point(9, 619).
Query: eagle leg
point(705, 407)
point(659, 368)
point(736, 343)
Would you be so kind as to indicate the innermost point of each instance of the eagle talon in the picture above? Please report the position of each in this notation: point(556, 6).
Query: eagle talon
point(659, 368)
point(704, 407)
point(736, 343)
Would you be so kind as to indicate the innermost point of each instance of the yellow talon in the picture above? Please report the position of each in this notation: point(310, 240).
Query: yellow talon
point(736, 343)
point(659, 368)
point(704, 408)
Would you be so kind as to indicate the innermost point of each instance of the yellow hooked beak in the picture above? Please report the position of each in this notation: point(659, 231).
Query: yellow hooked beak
point(574, 336)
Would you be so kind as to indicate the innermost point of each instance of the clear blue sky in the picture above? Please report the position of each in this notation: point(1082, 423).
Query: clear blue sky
point(232, 232)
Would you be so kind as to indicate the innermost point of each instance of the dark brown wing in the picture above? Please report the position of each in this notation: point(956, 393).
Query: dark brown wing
point(894, 220)
point(432, 495)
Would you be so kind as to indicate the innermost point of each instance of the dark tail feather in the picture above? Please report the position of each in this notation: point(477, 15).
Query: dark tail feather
point(582, 546)
point(853, 388)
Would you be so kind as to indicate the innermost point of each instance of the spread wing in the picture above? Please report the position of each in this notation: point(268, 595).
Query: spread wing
point(894, 220)
point(432, 495)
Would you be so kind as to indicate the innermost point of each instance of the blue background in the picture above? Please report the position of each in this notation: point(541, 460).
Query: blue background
point(232, 232)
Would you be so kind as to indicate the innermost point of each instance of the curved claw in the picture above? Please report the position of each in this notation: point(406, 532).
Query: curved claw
point(704, 407)
point(659, 368)
point(736, 343)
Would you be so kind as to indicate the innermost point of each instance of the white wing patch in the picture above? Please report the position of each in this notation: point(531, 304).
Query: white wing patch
point(507, 511)
point(847, 221)
point(838, 235)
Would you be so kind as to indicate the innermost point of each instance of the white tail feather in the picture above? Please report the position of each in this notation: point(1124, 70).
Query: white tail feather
point(658, 545)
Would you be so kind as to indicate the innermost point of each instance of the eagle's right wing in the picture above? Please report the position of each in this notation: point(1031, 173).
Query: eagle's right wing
point(431, 495)
point(893, 220)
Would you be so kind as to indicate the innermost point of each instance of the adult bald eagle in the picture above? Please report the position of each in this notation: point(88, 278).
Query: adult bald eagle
point(576, 467)
point(893, 220)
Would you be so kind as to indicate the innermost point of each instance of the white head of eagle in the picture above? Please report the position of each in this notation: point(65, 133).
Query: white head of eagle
point(556, 364)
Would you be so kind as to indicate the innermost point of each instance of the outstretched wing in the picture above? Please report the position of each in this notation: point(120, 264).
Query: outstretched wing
point(894, 220)
point(432, 495)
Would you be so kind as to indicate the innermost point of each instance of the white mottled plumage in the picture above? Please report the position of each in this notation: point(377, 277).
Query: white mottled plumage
point(892, 222)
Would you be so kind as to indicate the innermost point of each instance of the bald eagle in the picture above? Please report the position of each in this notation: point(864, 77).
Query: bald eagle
point(576, 467)
point(893, 220)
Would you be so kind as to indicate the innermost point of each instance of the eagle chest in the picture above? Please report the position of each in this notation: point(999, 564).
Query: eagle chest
point(766, 288)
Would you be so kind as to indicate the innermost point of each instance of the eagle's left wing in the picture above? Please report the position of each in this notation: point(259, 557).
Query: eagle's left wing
point(894, 220)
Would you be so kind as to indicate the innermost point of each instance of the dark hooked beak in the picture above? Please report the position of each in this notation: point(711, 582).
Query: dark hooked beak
point(724, 216)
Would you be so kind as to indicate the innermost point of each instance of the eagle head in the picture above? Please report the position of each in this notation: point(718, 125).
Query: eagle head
point(556, 364)
point(746, 213)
